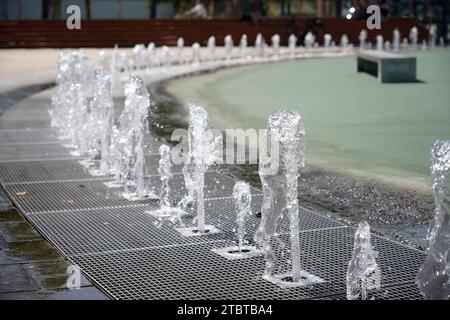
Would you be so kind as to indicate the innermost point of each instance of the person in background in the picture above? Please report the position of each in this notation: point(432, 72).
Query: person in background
point(198, 11)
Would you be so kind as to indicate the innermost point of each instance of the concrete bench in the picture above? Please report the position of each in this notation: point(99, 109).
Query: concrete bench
point(387, 66)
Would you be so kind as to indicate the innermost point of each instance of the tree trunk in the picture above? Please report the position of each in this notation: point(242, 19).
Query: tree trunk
point(153, 8)
point(87, 8)
point(19, 9)
point(118, 9)
point(45, 9)
point(338, 8)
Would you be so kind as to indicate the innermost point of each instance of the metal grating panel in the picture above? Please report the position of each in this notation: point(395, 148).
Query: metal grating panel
point(402, 292)
point(42, 171)
point(115, 229)
point(25, 136)
point(89, 194)
point(194, 272)
point(69, 195)
point(33, 152)
point(224, 211)
point(24, 124)
point(216, 185)
point(99, 230)
point(330, 251)
point(186, 272)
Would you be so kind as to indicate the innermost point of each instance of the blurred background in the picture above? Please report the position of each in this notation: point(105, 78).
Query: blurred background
point(38, 23)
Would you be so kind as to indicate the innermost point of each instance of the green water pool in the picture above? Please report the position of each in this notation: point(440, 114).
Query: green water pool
point(353, 122)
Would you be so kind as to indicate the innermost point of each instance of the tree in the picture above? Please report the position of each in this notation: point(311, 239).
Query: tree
point(87, 8)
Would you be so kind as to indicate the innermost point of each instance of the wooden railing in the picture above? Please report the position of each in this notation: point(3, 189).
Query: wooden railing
point(126, 33)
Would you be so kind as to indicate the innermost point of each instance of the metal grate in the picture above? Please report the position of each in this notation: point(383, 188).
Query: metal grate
point(186, 272)
point(195, 272)
point(132, 255)
point(402, 292)
point(89, 194)
point(42, 171)
point(23, 124)
point(33, 152)
point(68, 195)
point(24, 136)
point(99, 230)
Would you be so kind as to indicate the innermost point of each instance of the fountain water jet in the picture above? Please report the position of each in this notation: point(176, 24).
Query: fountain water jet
point(344, 42)
point(363, 273)
point(275, 46)
point(396, 40)
point(433, 278)
point(243, 44)
point(102, 122)
point(203, 150)
point(432, 36)
point(292, 43)
point(102, 60)
point(259, 46)
point(380, 42)
point(279, 173)
point(309, 40)
point(242, 197)
point(414, 37)
point(195, 54)
point(128, 142)
point(228, 47)
point(166, 210)
point(362, 39)
point(327, 40)
point(151, 55)
point(212, 48)
point(180, 47)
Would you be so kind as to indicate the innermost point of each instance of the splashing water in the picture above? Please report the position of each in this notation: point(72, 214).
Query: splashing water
point(243, 198)
point(327, 40)
point(380, 42)
point(212, 48)
point(123, 63)
point(433, 278)
point(102, 60)
point(292, 43)
point(101, 119)
point(362, 39)
point(151, 55)
point(203, 150)
point(309, 40)
point(138, 55)
point(180, 47)
point(165, 171)
point(70, 102)
point(280, 187)
point(344, 41)
point(275, 45)
point(195, 53)
point(259, 46)
point(243, 44)
point(127, 138)
point(166, 210)
point(414, 37)
point(432, 36)
point(228, 47)
point(363, 273)
point(166, 56)
point(396, 40)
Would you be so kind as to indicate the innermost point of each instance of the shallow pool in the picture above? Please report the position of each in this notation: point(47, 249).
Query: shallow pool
point(354, 124)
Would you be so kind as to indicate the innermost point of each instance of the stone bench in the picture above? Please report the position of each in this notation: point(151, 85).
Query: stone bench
point(387, 66)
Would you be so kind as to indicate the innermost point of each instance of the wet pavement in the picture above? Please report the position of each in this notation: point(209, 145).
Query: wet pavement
point(30, 268)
